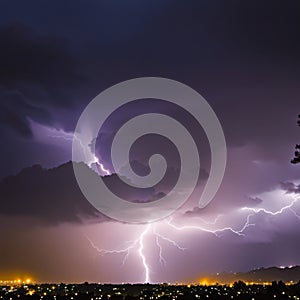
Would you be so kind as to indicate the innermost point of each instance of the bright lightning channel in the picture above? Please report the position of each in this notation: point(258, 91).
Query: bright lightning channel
point(247, 224)
point(141, 253)
point(139, 243)
point(139, 246)
point(278, 212)
point(69, 137)
point(216, 232)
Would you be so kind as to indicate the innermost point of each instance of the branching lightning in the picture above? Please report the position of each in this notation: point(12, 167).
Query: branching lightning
point(172, 242)
point(125, 250)
point(139, 245)
point(216, 232)
point(247, 224)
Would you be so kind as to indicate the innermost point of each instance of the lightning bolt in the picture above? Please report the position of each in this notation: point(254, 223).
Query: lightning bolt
point(296, 215)
point(125, 250)
point(139, 244)
point(247, 224)
point(142, 255)
point(105, 171)
point(162, 260)
point(159, 237)
point(69, 137)
point(216, 232)
point(268, 212)
point(172, 242)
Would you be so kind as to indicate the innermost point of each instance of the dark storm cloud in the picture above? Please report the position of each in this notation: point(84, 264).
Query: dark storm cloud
point(267, 28)
point(49, 196)
point(32, 58)
point(242, 56)
point(36, 74)
point(52, 196)
point(256, 200)
point(15, 112)
point(245, 201)
point(290, 187)
point(232, 52)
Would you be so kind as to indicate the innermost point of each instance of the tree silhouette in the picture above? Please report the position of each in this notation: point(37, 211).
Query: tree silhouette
point(239, 286)
point(296, 159)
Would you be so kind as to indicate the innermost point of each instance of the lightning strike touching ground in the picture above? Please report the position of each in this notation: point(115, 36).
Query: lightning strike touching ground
point(138, 245)
point(142, 255)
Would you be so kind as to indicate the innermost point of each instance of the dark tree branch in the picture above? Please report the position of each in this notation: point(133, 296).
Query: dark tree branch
point(296, 159)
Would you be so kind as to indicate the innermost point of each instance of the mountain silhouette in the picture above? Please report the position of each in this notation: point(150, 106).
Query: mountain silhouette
point(286, 274)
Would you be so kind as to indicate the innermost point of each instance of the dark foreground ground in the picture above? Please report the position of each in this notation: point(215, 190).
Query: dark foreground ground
point(86, 291)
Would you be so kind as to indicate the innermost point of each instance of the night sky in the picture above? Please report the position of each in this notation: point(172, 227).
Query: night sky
point(243, 57)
